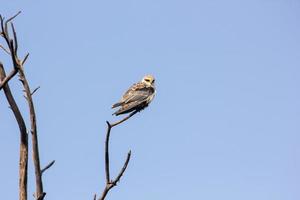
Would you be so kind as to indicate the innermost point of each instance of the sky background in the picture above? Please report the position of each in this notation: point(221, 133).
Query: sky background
point(225, 120)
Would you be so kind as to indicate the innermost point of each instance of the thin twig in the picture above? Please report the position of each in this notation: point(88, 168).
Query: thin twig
point(9, 19)
point(4, 49)
point(10, 42)
point(123, 169)
point(25, 58)
point(107, 152)
point(48, 166)
point(36, 89)
point(5, 35)
point(15, 39)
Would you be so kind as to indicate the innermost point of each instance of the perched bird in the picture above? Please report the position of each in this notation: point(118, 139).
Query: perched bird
point(137, 97)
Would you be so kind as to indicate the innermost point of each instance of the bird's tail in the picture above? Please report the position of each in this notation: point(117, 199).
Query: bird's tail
point(121, 111)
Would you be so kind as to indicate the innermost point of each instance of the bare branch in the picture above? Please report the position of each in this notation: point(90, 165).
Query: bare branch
point(11, 43)
point(124, 119)
point(35, 148)
point(111, 183)
point(4, 81)
point(18, 67)
point(48, 166)
point(2, 26)
point(23, 162)
point(5, 35)
point(7, 21)
point(2, 47)
point(15, 39)
point(24, 60)
point(107, 152)
point(114, 182)
point(36, 89)
point(14, 57)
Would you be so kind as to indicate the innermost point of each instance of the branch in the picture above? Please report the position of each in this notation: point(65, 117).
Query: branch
point(111, 183)
point(12, 43)
point(107, 152)
point(124, 119)
point(12, 49)
point(117, 179)
point(15, 39)
point(25, 58)
point(7, 78)
point(10, 19)
point(4, 49)
point(23, 162)
point(48, 166)
point(36, 89)
point(35, 148)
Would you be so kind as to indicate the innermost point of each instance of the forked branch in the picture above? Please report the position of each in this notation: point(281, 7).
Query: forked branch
point(12, 44)
point(110, 183)
point(23, 160)
point(12, 47)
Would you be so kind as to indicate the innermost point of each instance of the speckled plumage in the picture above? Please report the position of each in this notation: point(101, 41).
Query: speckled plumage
point(137, 97)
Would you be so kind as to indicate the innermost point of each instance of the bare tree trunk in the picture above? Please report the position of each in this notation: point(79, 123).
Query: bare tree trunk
point(23, 162)
point(39, 195)
point(12, 50)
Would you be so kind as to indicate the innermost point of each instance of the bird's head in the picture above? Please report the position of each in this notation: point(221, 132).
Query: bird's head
point(148, 80)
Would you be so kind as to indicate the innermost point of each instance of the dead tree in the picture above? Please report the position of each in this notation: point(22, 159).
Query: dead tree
point(110, 183)
point(18, 68)
point(7, 28)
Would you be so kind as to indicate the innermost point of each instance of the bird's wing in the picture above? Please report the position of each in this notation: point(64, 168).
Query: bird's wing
point(135, 105)
point(138, 92)
point(127, 95)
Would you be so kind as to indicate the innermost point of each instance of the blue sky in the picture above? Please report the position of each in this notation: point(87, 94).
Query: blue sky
point(224, 123)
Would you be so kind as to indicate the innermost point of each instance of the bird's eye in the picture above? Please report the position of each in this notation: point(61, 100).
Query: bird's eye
point(147, 80)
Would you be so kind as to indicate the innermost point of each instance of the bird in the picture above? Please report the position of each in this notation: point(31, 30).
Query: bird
point(137, 97)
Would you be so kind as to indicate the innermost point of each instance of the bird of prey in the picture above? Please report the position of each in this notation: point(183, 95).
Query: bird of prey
point(137, 97)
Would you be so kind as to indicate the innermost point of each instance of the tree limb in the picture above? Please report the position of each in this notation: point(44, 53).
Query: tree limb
point(111, 183)
point(35, 147)
point(48, 166)
point(12, 43)
point(23, 162)
point(25, 58)
point(36, 89)
point(7, 78)
point(4, 49)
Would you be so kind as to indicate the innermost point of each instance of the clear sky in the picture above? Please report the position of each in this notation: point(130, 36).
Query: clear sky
point(225, 121)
